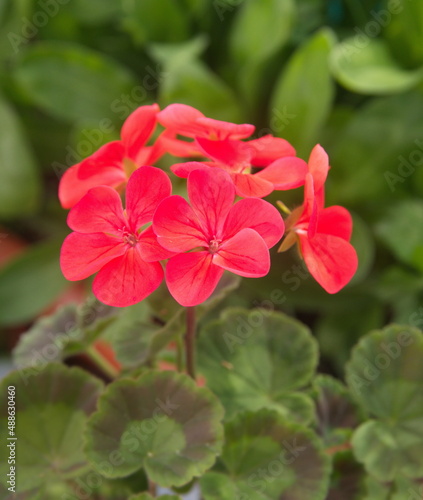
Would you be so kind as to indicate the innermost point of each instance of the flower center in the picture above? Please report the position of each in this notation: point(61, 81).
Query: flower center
point(129, 239)
point(214, 245)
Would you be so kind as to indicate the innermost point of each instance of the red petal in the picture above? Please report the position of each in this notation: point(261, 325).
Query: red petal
point(150, 249)
point(246, 254)
point(177, 226)
point(177, 147)
point(212, 194)
point(336, 221)
point(184, 169)
point(146, 188)
point(251, 186)
point(258, 215)
point(285, 173)
point(308, 219)
point(181, 119)
point(192, 277)
point(84, 254)
point(138, 128)
point(127, 280)
point(109, 156)
point(318, 165)
point(228, 152)
point(268, 149)
point(225, 130)
point(331, 260)
point(72, 188)
point(99, 211)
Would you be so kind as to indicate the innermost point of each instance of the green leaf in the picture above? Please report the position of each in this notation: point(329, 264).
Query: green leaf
point(337, 413)
point(71, 82)
point(52, 406)
point(146, 496)
point(160, 421)
point(401, 229)
point(147, 23)
point(370, 69)
point(189, 81)
point(19, 179)
point(361, 172)
point(30, 283)
point(96, 11)
point(260, 29)
point(70, 330)
point(304, 93)
point(256, 359)
point(404, 32)
point(385, 376)
point(268, 457)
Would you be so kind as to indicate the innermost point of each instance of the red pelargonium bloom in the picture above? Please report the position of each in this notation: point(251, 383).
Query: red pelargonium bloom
point(282, 170)
point(114, 162)
point(323, 235)
point(212, 234)
point(110, 241)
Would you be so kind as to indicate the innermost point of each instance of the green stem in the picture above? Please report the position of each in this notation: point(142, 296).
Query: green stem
point(102, 362)
point(190, 341)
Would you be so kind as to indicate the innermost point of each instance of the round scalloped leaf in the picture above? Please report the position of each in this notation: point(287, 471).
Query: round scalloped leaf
point(370, 69)
point(267, 457)
point(160, 421)
point(256, 359)
point(337, 412)
point(385, 375)
point(52, 406)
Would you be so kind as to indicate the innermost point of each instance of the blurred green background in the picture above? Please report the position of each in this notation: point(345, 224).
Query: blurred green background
point(345, 73)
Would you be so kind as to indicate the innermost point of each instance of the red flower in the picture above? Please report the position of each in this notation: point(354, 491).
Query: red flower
point(323, 234)
point(110, 241)
point(114, 162)
point(212, 235)
point(282, 170)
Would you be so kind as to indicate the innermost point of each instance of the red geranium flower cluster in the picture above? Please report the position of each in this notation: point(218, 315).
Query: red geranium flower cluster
point(212, 233)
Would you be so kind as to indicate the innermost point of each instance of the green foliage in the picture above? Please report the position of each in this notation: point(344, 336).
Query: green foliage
point(161, 421)
point(305, 90)
point(266, 456)
point(19, 179)
point(56, 401)
point(21, 294)
point(385, 376)
point(371, 69)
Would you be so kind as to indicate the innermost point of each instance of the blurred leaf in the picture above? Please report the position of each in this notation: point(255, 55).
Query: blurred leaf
point(401, 489)
point(257, 359)
point(146, 496)
point(347, 477)
point(137, 337)
point(70, 330)
point(337, 413)
point(402, 231)
point(370, 69)
point(304, 93)
point(188, 80)
point(51, 412)
point(15, 26)
point(363, 241)
point(19, 180)
point(160, 421)
point(260, 28)
point(152, 21)
point(96, 11)
point(404, 31)
point(71, 82)
point(30, 283)
point(362, 172)
point(268, 457)
point(385, 375)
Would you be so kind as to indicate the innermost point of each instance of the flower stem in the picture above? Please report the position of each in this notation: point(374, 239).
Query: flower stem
point(104, 365)
point(190, 341)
